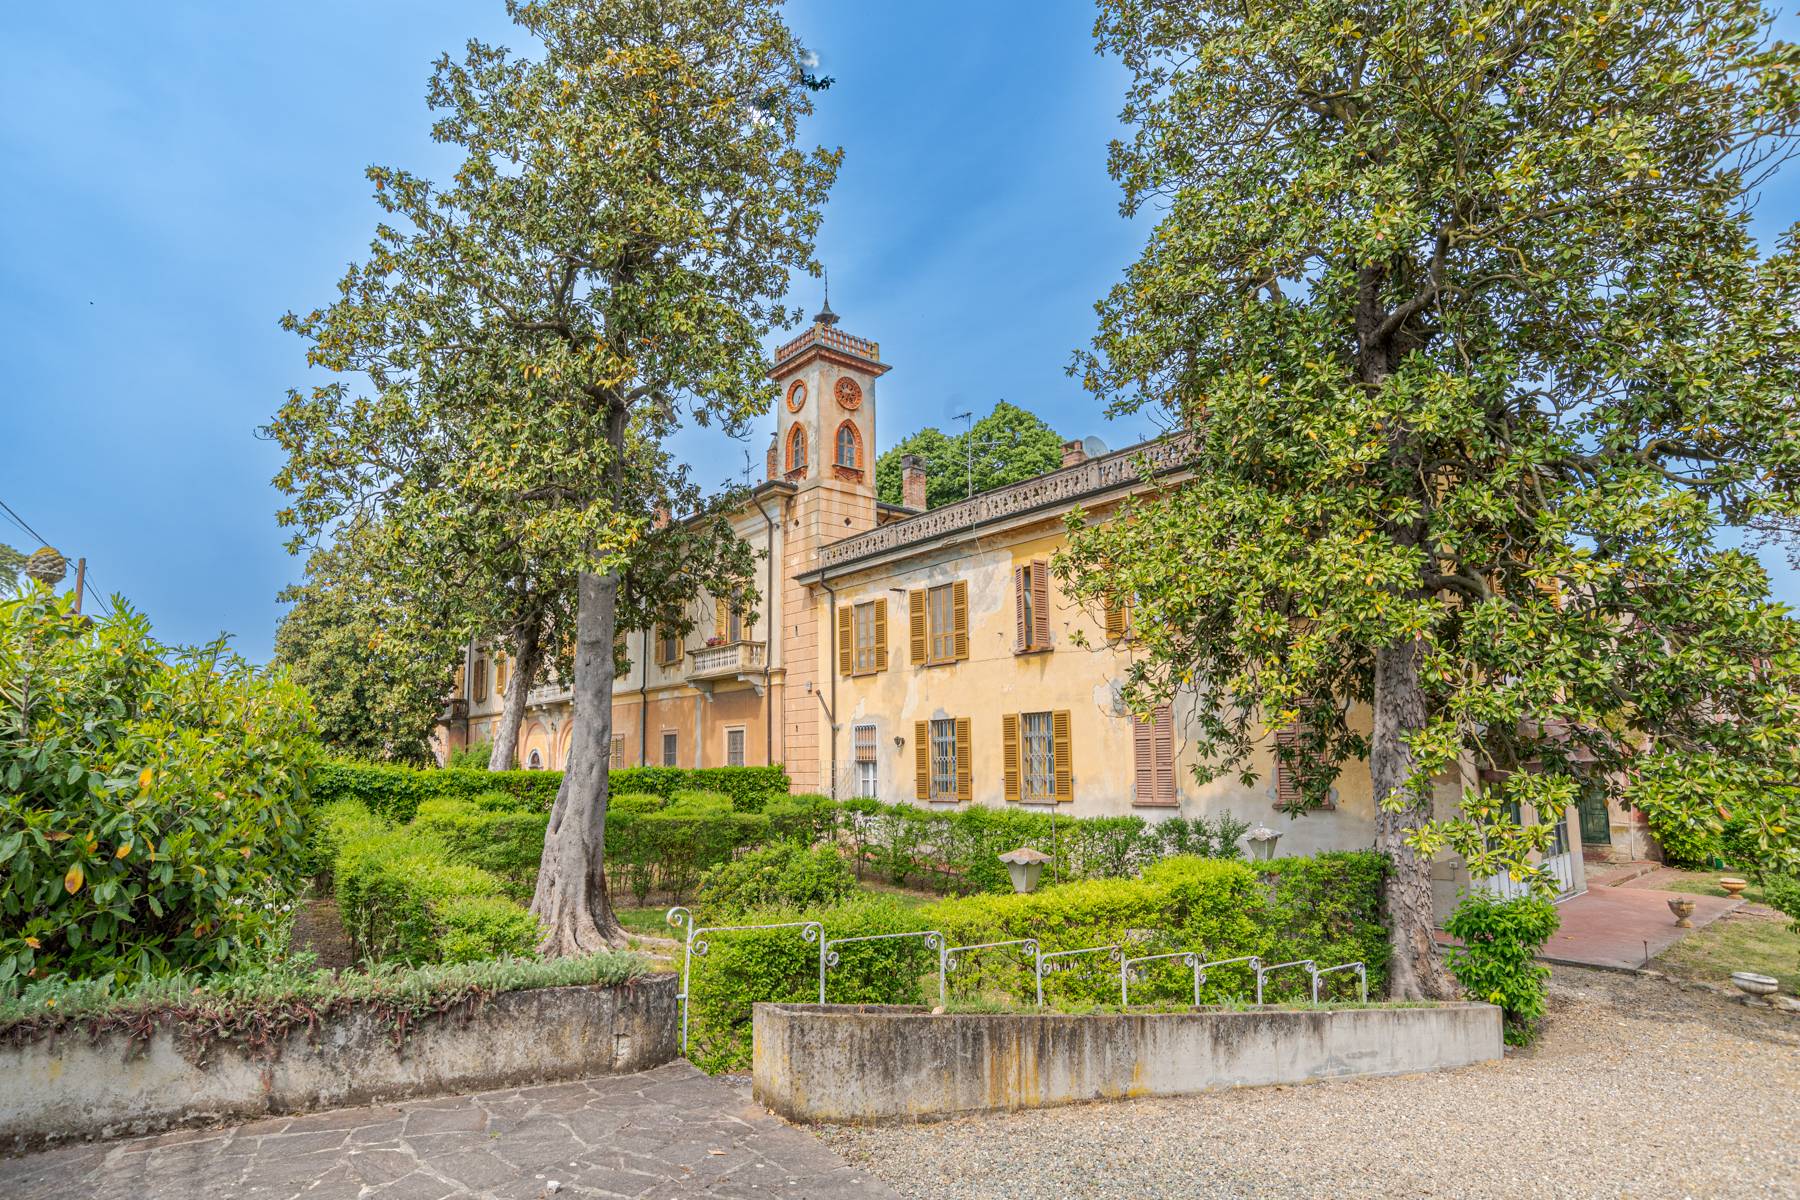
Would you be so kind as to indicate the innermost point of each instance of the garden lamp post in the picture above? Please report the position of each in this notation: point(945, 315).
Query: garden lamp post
point(1024, 865)
point(1262, 841)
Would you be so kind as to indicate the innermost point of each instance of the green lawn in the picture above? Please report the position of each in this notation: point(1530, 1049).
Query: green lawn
point(1740, 941)
point(1704, 883)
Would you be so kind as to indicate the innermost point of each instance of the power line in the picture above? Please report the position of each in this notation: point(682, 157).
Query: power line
point(88, 583)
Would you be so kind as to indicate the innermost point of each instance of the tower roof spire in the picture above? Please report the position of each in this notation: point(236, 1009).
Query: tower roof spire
point(825, 316)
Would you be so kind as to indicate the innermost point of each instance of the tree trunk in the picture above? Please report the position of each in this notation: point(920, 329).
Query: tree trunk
point(571, 900)
point(526, 636)
point(1414, 969)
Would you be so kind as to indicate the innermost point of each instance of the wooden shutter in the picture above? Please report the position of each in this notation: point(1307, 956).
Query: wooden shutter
point(1143, 759)
point(1009, 753)
point(1065, 776)
point(1021, 635)
point(881, 634)
point(1163, 747)
point(1118, 619)
point(718, 619)
point(965, 776)
point(846, 647)
point(1287, 787)
point(959, 605)
point(915, 613)
point(922, 759)
point(1040, 605)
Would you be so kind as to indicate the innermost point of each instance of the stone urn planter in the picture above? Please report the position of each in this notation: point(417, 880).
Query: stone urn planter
point(1752, 984)
point(1683, 910)
point(1733, 887)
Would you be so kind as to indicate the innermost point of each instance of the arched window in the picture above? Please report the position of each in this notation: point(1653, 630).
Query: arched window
point(796, 455)
point(535, 762)
point(480, 689)
point(849, 447)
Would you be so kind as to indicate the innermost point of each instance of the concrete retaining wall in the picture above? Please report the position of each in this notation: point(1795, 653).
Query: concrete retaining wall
point(76, 1086)
point(863, 1064)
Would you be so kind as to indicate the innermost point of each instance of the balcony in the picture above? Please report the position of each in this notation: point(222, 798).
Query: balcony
point(548, 693)
point(733, 660)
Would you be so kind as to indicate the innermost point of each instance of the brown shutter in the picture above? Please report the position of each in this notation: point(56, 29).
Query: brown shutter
point(1143, 759)
point(1287, 787)
point(1164, 747)
point(1040, 606)
point(922, 759)
point(1065, 776)
point(846, 645)
point(1009, 753)
point(719, 618)
point(1117, 617)
point(1021, 635)
point(965, 775)
point(881, 634)
point(959, 602)
point(915, 613)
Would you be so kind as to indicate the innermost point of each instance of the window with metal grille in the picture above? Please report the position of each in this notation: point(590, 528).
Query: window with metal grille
point(863, 737)
point(734, 747)
point(618, 750)
point(942, 615)
point(1039, 751)
point(943, 759)
point(671, 749)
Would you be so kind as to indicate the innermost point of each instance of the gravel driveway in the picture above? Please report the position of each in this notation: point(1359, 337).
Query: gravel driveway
point(1636, 1088)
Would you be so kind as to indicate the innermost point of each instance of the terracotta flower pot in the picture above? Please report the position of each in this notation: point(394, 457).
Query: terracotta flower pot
point(1683, 909)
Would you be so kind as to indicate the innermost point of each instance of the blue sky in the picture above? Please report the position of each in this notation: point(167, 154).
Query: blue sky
point(181, 173)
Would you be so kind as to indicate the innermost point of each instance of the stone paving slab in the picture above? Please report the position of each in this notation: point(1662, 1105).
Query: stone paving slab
point(657, 1135)
point(1621, 927)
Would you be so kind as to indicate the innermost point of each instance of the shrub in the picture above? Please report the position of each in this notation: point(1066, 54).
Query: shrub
point(402, 900)
point(1782, 892)
point(1497, 961)
point(1331, 904)
point(783, 875)
point(743, 968)
point(682, 841)
point(396, 792)
point(496, 837)
point(150, 797)
point(474, 757)
point(808, 819)
point(1686, 841)
point(329, 827)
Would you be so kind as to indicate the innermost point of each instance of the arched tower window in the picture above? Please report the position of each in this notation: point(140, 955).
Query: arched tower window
point(796, 451)
point(849, 447)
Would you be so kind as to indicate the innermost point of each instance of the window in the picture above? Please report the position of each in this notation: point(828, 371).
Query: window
point(671, 750)
point(617, 757)
point(1031, 607)
point(940, 623)
point(480, 691)
point(862, 638)
point(863, 738)
point(1290, 791)
point(1118, 619)
point(668, 646)
point(849, 447)
point(534, 761)
point(1035, 751)
point(1153, 754)
point(942, 758)
point(734, 624)
point(796, 449)
point(499, 674)
point(734, 747)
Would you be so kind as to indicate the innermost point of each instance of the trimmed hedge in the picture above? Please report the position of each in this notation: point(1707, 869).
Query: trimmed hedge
point(490, 833)
point(786, 874)
point(403, 899)
point(396, 792)
point(1324, 908)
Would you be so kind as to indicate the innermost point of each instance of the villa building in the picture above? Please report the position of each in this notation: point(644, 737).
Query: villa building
point(919, 656)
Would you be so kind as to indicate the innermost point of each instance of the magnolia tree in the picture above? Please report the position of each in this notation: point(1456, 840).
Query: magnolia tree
point(1458, 309)
point(602, 266)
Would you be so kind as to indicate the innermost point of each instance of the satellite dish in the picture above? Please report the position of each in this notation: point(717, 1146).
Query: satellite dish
point(1093, 446)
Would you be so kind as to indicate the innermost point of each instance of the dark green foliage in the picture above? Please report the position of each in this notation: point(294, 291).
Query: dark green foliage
point(402, 898)
point(746, 968)
point(507, 842)
point(150, 797)
point(1331, 904)
point(669, 848)
point(1497, 961)
point(783, 875)
point(473, 757)
point(1687, 839)
point(396, 792)
point(1010, 444)
point(1782, 893)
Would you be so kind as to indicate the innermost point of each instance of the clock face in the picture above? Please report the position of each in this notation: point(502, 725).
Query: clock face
point(849, 392)
point(796, 397)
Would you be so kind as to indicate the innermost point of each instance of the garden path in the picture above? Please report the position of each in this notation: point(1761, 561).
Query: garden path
point(665, 1133)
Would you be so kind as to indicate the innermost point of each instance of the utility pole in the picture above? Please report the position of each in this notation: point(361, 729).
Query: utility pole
point(80, 581)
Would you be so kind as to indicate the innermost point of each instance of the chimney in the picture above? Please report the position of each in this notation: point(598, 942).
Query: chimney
point(774, 460)
point(1074, 453)
point(912, 482)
